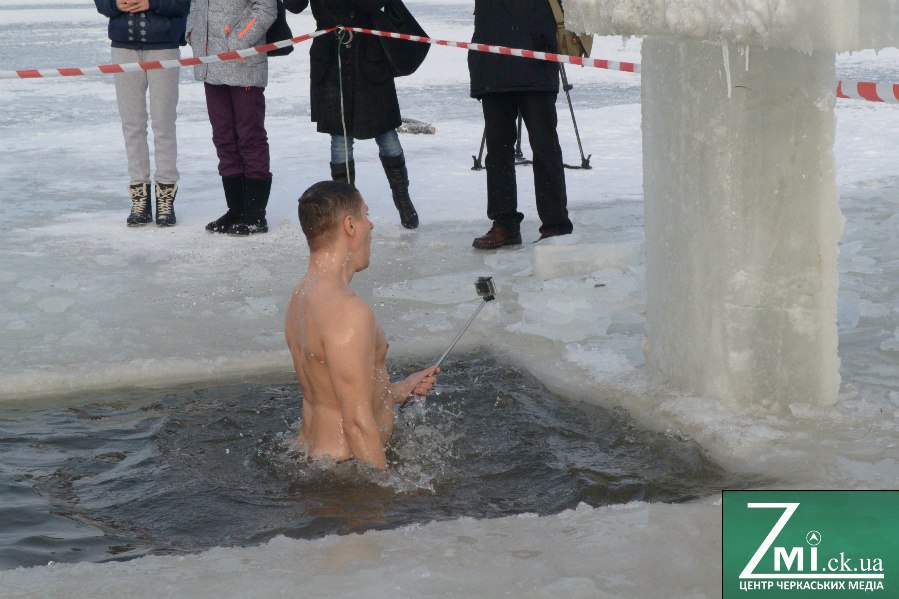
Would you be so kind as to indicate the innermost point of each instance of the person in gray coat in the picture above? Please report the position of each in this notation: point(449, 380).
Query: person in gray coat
point(235, 101)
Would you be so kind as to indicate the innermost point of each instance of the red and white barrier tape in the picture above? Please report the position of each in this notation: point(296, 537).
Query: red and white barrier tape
point(109, 69)
point(858, 90)
point(628, 67)
point(872, 92)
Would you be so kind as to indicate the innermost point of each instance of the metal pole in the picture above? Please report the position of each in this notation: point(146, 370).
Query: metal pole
point(459, 336)
point(585, 162)
point(519, 155)
point(478, 165)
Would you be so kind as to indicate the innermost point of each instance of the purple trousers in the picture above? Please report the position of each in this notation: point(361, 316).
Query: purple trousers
point(237, 115)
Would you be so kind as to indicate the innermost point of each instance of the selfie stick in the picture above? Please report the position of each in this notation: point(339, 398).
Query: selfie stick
point(487, 291)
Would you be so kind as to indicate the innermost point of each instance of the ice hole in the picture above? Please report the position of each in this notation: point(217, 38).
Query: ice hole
point(133, 473)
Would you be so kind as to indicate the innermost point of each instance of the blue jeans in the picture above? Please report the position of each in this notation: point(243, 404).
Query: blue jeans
point(388, 146)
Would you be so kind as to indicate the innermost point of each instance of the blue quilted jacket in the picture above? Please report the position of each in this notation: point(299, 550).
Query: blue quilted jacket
point(159, 28)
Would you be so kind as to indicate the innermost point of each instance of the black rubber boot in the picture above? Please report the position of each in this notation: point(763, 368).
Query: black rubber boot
point(339, 169)
point(255, 200)
point(233, 186)
point(141, 205)
point(165, 204)
point(398, 177)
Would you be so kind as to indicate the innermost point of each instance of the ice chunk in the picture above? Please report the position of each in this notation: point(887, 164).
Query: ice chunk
point(891, 344)
point(869, 309)
point(742, 224)
point(441, 289)
point(574, 308)
point(848, 311)
point(55, 305)
point(600, 363)
point(805, 25)
point(560, 260)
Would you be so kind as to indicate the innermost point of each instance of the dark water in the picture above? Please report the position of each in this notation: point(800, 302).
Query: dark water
point(139, 473)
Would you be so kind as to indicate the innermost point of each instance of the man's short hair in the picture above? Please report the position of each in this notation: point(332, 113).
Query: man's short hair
point(322, 206)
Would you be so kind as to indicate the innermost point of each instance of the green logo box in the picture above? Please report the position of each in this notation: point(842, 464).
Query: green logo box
point(810, 544)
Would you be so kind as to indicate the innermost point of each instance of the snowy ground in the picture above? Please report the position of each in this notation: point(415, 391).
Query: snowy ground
point(86, 303)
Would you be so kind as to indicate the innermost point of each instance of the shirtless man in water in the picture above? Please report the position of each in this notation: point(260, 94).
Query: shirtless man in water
point(337, 345)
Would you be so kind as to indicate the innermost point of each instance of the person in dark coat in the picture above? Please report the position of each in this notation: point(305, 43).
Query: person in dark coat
point(370, 108)
point(508, 86)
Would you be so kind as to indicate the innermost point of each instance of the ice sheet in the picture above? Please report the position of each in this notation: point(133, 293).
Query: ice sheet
point(573, 554)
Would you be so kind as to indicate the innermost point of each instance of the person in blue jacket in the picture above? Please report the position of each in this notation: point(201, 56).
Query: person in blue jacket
point(148, 30)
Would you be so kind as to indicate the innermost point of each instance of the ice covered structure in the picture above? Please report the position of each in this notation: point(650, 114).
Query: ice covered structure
point(741, 207)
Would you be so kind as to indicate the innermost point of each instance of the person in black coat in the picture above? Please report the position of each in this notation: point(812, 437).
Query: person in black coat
point(508, 86)
point(370, 108)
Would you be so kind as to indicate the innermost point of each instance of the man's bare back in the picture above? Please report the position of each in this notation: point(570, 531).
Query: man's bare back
point(334, 314)
point(339, 350)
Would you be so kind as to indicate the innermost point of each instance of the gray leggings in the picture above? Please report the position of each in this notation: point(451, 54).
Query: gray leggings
point(131, 95)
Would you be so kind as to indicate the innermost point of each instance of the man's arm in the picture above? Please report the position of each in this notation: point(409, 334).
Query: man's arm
point(419, 383)
point(350, 354)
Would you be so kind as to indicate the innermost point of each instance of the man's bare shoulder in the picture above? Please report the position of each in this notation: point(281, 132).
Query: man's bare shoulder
point(354, 312)
point(349, 338)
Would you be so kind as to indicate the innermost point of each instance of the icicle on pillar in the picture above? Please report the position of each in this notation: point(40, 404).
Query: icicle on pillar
point(742, 221)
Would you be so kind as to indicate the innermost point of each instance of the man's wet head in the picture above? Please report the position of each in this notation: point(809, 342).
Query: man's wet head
point(333, 215)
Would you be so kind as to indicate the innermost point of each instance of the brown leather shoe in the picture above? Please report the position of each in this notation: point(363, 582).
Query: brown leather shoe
point(496, 237)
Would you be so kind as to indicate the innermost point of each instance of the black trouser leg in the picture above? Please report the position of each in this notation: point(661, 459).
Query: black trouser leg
point(538, 110)
point(500, 115)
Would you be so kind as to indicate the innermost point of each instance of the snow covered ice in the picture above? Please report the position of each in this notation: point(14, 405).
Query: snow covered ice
point(86, 303)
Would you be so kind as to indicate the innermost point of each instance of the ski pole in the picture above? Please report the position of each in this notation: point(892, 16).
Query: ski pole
point(585, 162)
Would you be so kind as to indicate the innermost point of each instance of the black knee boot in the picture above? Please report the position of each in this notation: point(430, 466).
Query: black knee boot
point(339, 172)
point(398, 177)
point(233, 186)
point(255, 200)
